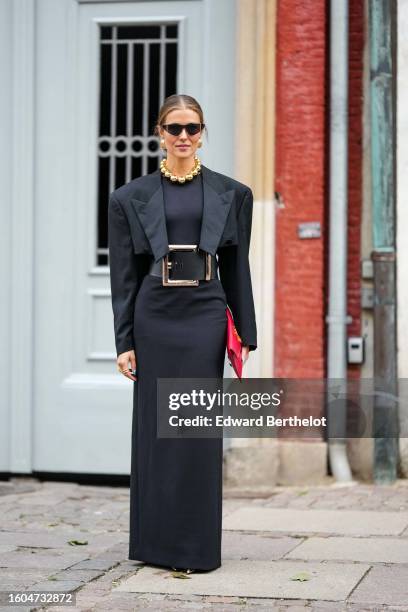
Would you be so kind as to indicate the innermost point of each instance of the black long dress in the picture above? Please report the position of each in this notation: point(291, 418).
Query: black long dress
point(176, 484)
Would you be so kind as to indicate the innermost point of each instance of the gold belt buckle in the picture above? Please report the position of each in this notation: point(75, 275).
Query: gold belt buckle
point(166, 266)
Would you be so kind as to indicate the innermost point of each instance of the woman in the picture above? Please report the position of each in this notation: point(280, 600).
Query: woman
point(168, 329)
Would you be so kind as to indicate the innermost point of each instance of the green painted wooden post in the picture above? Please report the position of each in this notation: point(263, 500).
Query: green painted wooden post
point(382, 104)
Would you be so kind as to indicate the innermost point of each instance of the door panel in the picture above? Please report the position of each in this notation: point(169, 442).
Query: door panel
point(103, 70)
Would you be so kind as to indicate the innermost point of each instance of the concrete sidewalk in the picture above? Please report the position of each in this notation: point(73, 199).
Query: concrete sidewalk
point(320, 548)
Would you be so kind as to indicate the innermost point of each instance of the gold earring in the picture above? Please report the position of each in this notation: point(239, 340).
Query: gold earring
point(199, 143)
point(162, 143)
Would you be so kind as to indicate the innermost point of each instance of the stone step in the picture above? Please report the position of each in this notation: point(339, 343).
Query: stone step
point(326, 581)
point(342, 522)
point(370, 550)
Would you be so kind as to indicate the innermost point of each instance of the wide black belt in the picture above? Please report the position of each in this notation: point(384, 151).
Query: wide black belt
point(184, 265)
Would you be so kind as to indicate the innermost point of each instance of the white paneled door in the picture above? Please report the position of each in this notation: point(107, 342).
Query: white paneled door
point(102, 70)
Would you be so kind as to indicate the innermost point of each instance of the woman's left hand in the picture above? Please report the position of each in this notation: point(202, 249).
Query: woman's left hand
point(245, 353)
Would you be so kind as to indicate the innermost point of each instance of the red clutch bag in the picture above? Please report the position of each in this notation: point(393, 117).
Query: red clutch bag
point(234, 345)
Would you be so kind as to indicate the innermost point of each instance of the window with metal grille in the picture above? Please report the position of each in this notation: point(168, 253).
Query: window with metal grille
point(138, 70)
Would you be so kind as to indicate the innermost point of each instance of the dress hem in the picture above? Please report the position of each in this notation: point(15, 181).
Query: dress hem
point(170, 562)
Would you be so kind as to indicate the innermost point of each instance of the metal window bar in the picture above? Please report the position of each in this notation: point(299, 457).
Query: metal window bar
point(127, 151)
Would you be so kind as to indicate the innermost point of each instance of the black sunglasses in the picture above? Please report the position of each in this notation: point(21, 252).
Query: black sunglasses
point(175, 129)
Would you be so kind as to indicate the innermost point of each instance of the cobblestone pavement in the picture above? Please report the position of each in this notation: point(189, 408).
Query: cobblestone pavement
point(345, 548)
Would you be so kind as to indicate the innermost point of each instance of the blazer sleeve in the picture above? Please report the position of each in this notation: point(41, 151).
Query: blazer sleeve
point(235, 275)
point(126, 273)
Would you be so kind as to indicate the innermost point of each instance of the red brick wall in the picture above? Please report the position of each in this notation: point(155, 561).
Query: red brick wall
point(302, 180)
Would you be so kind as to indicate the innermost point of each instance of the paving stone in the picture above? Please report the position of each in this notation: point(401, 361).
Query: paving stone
point(99, 587)
point(7, 548)
point(59, 586)
point(14, 608)
point(83, 599)
point(20, 578)
point(350, 522)
point(263, 604)
point(376, 550)
point(128, 603)
point(383, 585)
point(296, 608)
point(101, 515)
point(87, 606)
point(17, 487)
point(327, 606)
point(230, 505)
point(55, 484)
point(65, 608)
point(80, 575)
point(182, 597)
point(41, 538)
point(40, 559)
point(221, 599)
point(283, 601)
point(331, 582)
point(96, 564)
point(38, 498)
point(243, 546)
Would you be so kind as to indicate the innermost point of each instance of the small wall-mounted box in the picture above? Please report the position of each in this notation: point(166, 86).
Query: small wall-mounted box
point(367, 269)
point(367, 297)
point(355, 349)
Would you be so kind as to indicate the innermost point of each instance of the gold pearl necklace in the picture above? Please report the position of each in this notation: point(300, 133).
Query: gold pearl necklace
point(196, 169)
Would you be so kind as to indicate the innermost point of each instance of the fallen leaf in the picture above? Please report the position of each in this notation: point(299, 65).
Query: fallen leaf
point(301, 576)
point(181, 575)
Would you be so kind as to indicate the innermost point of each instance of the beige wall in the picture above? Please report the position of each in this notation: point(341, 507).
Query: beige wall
point(254, 159)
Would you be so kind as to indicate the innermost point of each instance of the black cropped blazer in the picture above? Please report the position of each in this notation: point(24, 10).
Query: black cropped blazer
point(137, 231)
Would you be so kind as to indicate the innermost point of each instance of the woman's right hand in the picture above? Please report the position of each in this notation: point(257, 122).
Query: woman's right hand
point(123, 364)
